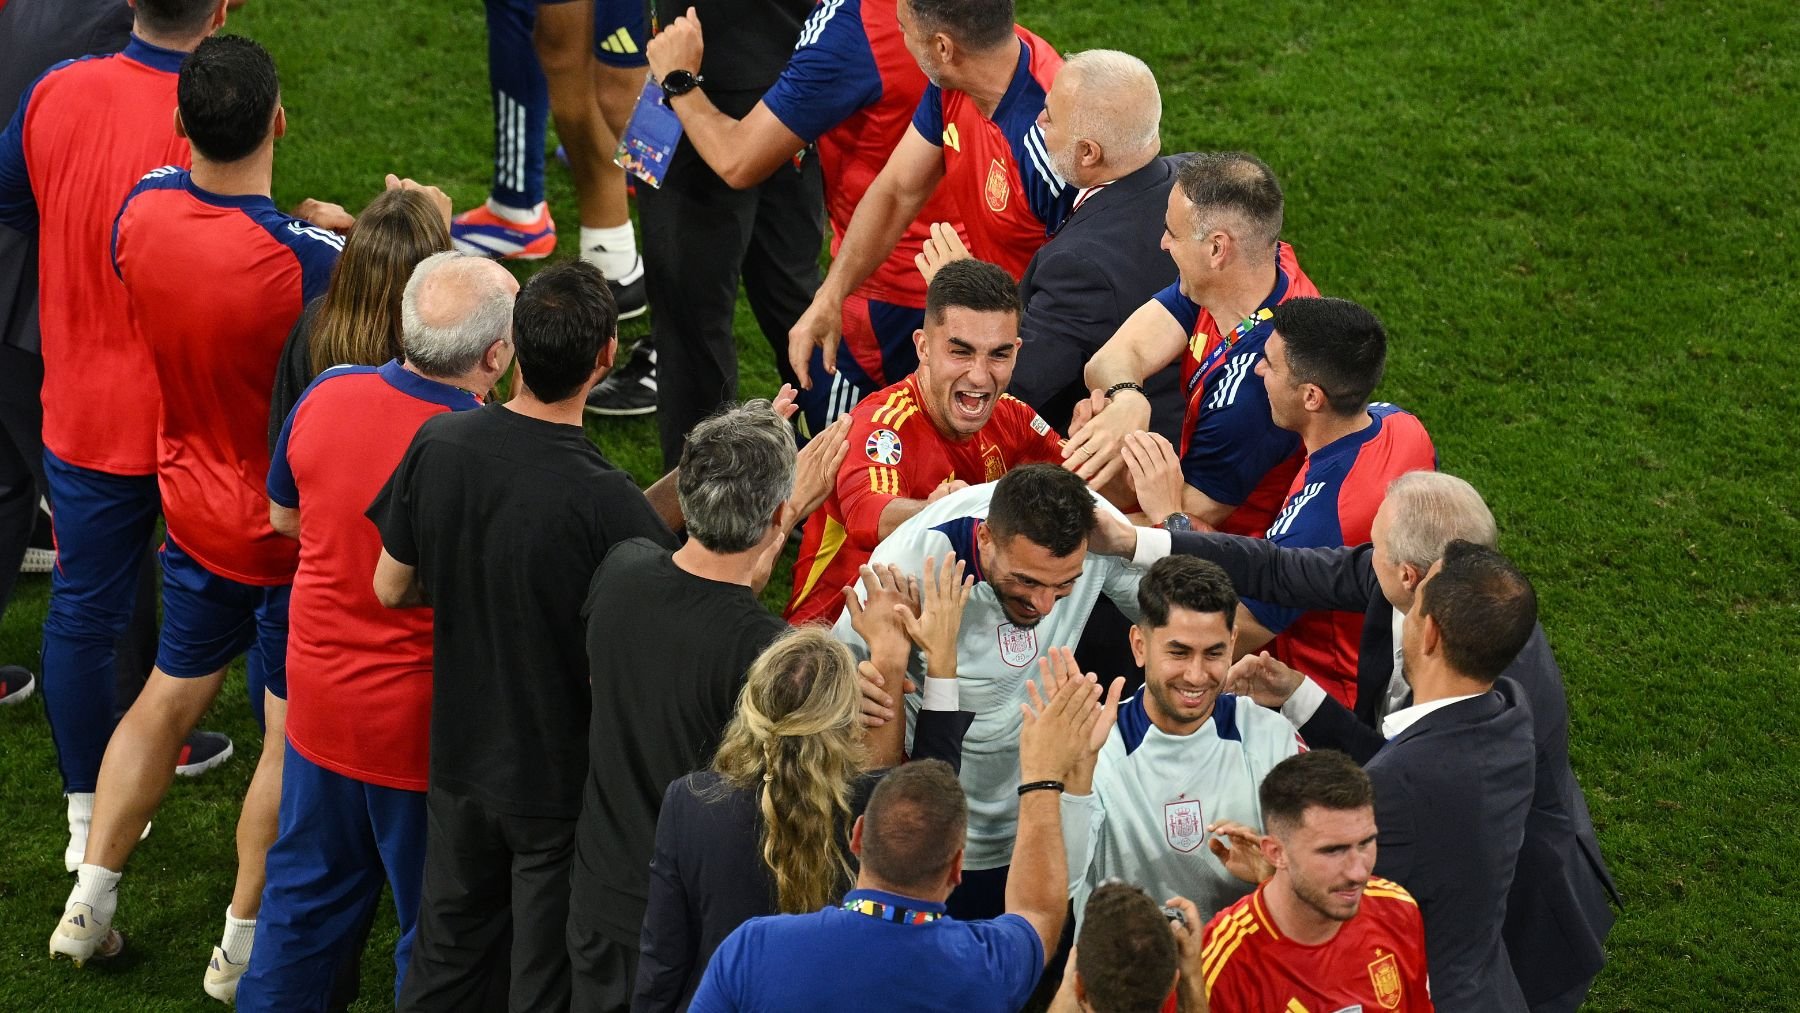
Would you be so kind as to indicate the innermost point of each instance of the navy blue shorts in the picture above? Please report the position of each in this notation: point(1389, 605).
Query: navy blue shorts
point(209, 620)
point(621, 28)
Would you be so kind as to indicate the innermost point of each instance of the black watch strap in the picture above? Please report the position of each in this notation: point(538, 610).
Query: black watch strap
point(680, 82)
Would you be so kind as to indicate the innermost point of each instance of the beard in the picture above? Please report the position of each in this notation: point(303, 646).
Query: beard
point(1322, 901)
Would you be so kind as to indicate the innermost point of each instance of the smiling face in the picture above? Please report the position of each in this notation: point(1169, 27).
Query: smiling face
point(1328, 859)
point(1185, 664)
point(1287, 395)
point(965, 362)
point(1191, 252)
point(1026, 577)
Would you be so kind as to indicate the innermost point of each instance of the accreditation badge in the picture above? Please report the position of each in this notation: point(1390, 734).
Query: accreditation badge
point(650, 137)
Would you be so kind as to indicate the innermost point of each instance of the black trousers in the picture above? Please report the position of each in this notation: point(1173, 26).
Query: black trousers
point(604, 971)
point(493, 911)
point(21, 459)
point(699, 237)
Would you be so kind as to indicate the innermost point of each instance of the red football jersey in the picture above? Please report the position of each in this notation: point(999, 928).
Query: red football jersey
point(996, 169)
point(1332, 502)
point(1375, 962)
point(215, 283)
point(359, 675)
point(896, 453)
point(90, 129)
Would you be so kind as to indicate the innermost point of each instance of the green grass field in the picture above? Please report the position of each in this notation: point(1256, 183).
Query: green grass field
point(1571, 218)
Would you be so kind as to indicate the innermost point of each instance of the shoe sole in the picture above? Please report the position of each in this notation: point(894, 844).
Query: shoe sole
point(631, 314)
point(196, 769)
point(619, 413)
point(43, 560)
point(101, 952)
point(20, 695)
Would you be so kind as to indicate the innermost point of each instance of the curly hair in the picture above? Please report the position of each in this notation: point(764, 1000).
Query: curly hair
point(797, 743)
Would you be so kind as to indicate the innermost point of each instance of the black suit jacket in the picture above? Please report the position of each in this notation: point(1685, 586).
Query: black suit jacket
point(1104, 262)
point(1559, 913)
point(1452, 797)
point(707, 876)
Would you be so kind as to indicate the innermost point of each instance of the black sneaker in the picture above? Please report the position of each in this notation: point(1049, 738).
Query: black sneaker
point(629, 295)
point(16, 685)
point(630, 389)
point(201, 752)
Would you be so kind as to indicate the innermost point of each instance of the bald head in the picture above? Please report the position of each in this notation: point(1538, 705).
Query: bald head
point(454, 308)
point(1102, 117)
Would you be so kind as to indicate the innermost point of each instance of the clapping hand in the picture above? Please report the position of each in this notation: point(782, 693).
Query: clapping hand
point(816, 467)
point(1064, 719)
point(938, 621)
point(875, 615)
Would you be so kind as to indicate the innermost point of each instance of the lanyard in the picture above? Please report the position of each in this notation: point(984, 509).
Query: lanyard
point(1244, 329)
point(876, 909)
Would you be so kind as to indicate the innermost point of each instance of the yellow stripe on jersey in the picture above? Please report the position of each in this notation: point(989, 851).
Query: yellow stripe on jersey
point(829, 544)
point(1391, 895)
point(1212, 973)
point(1232, 925)
point(1296, 1006)
point(884, 481)
point(908, 412)
point(1241, 929)
point(895, 402)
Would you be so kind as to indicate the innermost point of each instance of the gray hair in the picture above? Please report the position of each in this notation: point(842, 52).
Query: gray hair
point(1431, 509)
point(453, 308)
point(737, 468)
point(1236, 192)
point(1117, 106)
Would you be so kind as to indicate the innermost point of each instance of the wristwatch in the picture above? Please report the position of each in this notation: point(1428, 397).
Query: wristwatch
point(680, 82)
point(1177, 521)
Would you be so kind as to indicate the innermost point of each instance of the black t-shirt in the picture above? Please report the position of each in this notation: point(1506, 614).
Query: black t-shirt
point(751, 41)
point(294, 373)
point(667, 653)
point(506, 518)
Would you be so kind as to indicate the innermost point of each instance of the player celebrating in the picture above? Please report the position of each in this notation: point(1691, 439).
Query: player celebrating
point(1319, 934)
point(852, 88)
point(976, 132)
point(1223, 230)
point(1184, 760)
point(946, 426)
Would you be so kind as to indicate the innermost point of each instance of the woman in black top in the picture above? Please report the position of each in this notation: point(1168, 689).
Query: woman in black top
point(765, 831)
point(357, 320)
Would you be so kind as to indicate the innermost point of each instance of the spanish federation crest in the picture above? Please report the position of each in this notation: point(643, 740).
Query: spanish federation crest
point(883, 447)
point(1181, 824)
point(1018, 644)
point(997, 190)
point(1384, 975)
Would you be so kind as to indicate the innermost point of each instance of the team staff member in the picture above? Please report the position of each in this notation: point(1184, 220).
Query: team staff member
point(947, 426)
point(1223, 230)
point(1453, 785)
point(214, 348)
point(82, 135)
point(1319, 368)
point(701, 234)
point(1025, 540)
point(976, 133)
point(497, 519)
point(359, 675)
point(893, 928)
point(741, 490)
point(1321, 933)
point(1184, 759)
point(850, 88)
point(1101, 123)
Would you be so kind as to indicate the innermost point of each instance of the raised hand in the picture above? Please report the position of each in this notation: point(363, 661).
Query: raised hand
point(816, 467)
point(943, 247)
point(889, 592)
point(1155, 473)
point(1264, 679)
point(822, 327)
point(439, 199)
point(944, 593)
point(679, 46)
point(1093, 450)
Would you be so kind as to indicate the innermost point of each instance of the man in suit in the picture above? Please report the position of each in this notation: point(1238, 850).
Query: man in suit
point(1453, 785)
point(1101, 122)
point(1558, 914)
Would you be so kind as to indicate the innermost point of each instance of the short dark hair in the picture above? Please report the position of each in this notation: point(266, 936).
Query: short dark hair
point(1485, 609)
point(562, 318)
point(1049, 505)
point(971, 284)
point(1189, 582)
point(1335, 344)
point(977, 24)
point(1236, 182)
point(176, 17)
point(227, 92)
point(1126, 954)
point(914, 824)
point(1324, 778)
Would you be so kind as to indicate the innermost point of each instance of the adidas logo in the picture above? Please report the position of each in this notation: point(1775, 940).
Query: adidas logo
point(79, 921)
point(619, 42)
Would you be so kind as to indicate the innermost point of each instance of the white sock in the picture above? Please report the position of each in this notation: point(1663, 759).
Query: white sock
point(81, 808)
point(98, 888)
point(613, 251)
point(517, 216)
point(239, 934)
